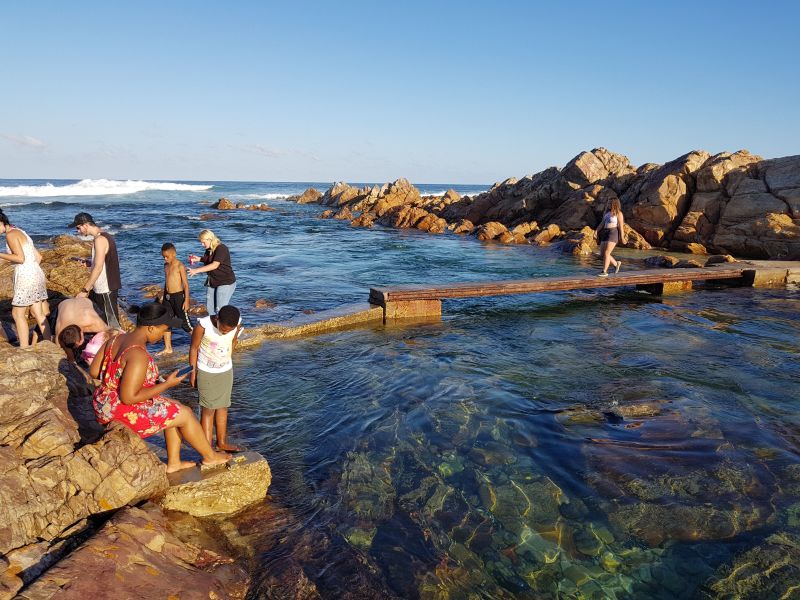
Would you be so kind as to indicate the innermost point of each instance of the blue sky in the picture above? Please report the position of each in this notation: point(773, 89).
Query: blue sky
point(445, 92)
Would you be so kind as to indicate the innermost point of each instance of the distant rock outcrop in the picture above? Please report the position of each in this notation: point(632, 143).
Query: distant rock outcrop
point(733, 203)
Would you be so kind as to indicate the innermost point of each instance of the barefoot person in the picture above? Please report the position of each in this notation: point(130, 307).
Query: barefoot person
point(30, 286)
point(610, 231)
point(176, 292)
point(213, 341)
point(104, 281)
point(129, 391)
point(217, 263)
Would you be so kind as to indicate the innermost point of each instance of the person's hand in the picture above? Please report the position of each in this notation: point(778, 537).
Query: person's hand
point(193, 258)
point(193, 378)
point(174, 379)
point(191, 272)
point(185, 304)
point(82, 294)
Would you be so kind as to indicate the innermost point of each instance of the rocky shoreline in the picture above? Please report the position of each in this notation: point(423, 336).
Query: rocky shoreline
point(729, 203)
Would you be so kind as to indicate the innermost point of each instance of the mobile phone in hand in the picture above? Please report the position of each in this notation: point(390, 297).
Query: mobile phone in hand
point(185, 370)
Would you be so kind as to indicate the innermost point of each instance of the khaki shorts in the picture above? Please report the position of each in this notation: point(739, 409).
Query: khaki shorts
point(215, 389)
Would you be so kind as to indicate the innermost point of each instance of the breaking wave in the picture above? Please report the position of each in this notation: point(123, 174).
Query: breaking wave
point(99, 187)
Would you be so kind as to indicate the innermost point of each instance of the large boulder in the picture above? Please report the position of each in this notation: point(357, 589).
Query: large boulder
point(338, 194)
point(223, 204)
point(759, 220)
point(397, 193)
point(723, 171)
point(490, 231)
point(658, 199)
point(310, 196)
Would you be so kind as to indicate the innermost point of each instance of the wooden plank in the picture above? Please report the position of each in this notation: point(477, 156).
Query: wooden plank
point(548, 284)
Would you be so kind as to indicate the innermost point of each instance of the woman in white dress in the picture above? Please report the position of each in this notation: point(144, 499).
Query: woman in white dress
point(30, 286)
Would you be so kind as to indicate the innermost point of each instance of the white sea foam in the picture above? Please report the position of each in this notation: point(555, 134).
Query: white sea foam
point(99, 187)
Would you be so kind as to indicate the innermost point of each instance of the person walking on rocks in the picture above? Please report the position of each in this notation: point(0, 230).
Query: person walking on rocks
point(104, 281)
point(129, 390)
point(610, 231)
point(221, 281)
point(30, 285)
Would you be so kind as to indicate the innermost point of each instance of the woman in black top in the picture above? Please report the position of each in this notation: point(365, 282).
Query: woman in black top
point(221, 281)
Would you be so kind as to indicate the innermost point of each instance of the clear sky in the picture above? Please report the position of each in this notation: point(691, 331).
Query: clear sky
point(444, 92)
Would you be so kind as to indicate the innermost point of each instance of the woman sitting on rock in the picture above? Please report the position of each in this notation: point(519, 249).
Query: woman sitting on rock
point(129, 391)
point(217, 263)
point(30, 286)
point(610, 231)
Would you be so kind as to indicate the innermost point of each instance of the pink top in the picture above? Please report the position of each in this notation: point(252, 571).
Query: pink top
point(94, 344)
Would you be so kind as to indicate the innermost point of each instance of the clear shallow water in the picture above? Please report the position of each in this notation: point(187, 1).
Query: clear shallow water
point(559, 445)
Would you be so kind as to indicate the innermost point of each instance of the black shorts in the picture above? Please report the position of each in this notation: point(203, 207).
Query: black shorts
point(175, 303)
point(608, 234)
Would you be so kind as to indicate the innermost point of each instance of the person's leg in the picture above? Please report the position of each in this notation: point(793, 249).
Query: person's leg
point(189, 427)
point(20, 316)
point(37, 310)
point(207, 422)
point(611, 259)
point(605, 250)
point(224, 295)
point(210, 296)
point(174, 463)
point(167, 344)
point(221, 422)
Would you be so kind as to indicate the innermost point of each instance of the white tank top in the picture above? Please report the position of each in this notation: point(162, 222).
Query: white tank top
point(611, 220)
point(214, 354)
point(101, 285)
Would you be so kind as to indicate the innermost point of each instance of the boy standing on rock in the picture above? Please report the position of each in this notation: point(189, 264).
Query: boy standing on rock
point(176, 292)
point(213, 341)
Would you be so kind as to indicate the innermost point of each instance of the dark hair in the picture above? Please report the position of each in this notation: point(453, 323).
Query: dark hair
point(228, 315)
point(167, 246)
point(152, 313)
point(71, 337)
point(3, 218)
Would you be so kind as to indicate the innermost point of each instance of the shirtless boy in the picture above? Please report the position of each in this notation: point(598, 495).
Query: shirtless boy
point(176, 292)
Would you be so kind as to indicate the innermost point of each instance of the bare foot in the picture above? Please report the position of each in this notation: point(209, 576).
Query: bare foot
point(229, 448)
point(164, 351)
point(219, 459)
point(184, 464)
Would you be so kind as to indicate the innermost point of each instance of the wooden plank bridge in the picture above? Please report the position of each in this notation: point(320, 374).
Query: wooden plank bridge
point(426, 300)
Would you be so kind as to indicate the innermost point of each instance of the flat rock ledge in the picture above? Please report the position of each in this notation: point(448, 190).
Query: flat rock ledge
point(136, 555)
point(220, 490)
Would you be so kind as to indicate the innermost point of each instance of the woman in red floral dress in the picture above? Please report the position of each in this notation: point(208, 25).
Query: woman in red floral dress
point(129, 391)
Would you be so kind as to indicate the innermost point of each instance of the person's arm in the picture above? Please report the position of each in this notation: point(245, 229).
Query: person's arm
point(197, 336)
point(97, 361)
point(17, 256)
point(621, 225)
point(131, 390)
point(100, 251)
point(166, 280)
point(236, 337)
point(209, 267)
point(185, 284)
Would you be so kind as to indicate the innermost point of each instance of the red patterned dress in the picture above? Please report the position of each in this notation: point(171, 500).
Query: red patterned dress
point(144, 418)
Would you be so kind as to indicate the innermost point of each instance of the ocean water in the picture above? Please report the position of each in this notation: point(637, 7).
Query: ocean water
point(565, 445)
